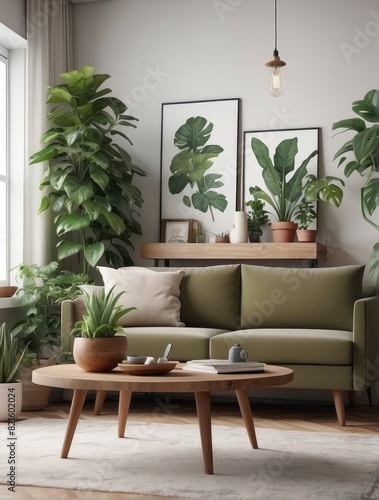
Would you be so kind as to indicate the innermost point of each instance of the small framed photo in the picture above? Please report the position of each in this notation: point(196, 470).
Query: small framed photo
point(177, 231)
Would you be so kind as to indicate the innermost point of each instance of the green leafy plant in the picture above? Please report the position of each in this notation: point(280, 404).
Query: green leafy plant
point(89, 177)
point(11, 359)
point(102, 315)
point(305, 214)
point(257, 216)
point(42, 290)
point(360, 154)
point(283, 191)
point(189, 167)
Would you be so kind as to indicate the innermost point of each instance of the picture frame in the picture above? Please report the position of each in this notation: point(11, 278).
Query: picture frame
point(207, 187)
point(177, 230)
point(308, 141)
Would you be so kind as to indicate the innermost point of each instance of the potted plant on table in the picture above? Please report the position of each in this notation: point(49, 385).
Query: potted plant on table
point(88, 175)
point(314, 190)
point(284, 191)
point(360, 154)
point(257, 217)
point(100, 344)
point(11, 362)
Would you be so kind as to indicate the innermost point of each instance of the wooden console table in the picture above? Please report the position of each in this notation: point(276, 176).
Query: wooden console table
point(313, 252)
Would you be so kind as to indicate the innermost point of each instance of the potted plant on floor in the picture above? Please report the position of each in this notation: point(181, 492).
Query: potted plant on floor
point(11, 362)
point(41, 290)
point(89, 176)
point(360, 154)
point(100, 344)
point(257, 217)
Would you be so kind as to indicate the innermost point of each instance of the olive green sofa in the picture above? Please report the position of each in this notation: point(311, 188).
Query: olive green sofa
point(317, 321)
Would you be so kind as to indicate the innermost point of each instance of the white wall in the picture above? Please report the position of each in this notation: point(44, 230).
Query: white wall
point(210, 49)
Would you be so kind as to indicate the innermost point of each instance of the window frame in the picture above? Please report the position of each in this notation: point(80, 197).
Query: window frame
point(4, 177)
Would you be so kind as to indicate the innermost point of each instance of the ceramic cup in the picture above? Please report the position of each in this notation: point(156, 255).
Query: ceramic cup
point(140, 360)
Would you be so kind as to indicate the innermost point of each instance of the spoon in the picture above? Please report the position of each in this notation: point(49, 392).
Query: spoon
point(164, 358)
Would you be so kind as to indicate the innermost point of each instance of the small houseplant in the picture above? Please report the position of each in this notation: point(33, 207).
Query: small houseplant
point(284, 193)
point(221, 237)
point(283, 189)
point(324, 189)
point(42, 289)
point(89, 177)
point(257, 217)
point(11, 362)
point(360, 154)
point(100, 344)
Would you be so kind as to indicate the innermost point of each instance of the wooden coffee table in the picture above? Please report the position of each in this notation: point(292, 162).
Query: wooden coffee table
point(176, 381)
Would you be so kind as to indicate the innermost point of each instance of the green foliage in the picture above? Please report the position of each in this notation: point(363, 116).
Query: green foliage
point(43, 289)
point(11, 359)
point(89, 177)
point(190, 165)
point(102, 315)
point(283, 191)
point(305, 214)
point(360, 154)
point(257, 216)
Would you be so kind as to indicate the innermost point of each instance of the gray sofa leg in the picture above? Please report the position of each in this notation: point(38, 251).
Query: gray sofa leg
point(99, 401)
point(339, 404)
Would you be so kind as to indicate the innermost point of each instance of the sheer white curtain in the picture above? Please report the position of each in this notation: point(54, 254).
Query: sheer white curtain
point(49, 53)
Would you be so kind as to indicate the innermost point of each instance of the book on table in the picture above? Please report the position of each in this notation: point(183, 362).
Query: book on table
point(223, 366)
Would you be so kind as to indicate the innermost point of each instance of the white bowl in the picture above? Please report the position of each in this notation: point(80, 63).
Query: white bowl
point(137, 360)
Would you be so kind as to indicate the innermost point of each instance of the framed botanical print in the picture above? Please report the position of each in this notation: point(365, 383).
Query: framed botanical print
point(177, 231)
point(199, 162)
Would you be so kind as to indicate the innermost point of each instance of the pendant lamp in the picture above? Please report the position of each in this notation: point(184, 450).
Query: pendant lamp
point(275, 63)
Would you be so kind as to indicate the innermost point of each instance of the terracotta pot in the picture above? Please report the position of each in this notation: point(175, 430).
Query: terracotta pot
point(283, 232)
point(100, 354)
point(34, 396)
point(306, 235)
point(222, 239)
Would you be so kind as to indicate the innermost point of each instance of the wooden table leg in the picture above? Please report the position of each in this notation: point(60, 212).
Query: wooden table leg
point(99, 401)
point(123, 410)
point(76, 408)
point(247, 416)
point(203, 406)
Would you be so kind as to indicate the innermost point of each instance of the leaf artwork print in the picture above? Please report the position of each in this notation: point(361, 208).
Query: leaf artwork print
point(190, 167)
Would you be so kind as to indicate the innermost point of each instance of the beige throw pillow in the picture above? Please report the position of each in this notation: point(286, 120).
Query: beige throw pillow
point(155, 295)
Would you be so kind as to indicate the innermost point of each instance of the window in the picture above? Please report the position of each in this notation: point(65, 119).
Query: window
point(4, 169)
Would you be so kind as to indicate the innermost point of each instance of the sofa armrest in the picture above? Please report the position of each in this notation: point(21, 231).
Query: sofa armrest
point(67, 324)
point(366, 343)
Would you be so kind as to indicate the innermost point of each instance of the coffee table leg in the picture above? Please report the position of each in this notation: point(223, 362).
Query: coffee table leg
point(203, 406)
point(123, 410)
point(76, 407)
point(247, 416)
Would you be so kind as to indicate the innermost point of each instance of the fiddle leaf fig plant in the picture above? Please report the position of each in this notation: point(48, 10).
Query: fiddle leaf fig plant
point(189, 167)
point(360, 154)
point(88, 176)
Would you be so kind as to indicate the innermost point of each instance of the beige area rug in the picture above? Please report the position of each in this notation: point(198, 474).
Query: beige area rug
point(166, 459)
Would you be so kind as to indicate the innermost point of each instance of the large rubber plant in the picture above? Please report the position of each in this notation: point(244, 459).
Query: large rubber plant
point(88, 176)
point(360, 155)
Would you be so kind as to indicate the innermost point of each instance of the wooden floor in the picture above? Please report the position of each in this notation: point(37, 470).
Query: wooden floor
point(362, 419)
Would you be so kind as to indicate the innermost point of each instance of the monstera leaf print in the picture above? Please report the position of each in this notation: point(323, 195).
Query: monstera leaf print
point(189, 167)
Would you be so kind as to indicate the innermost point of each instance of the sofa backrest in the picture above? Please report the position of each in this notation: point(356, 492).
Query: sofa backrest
point(210, 296)
point(276, 297)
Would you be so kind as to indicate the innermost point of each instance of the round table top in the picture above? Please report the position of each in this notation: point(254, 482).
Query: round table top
point(70, 376)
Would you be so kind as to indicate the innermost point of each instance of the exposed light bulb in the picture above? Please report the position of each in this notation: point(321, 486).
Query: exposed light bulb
point(276, 82)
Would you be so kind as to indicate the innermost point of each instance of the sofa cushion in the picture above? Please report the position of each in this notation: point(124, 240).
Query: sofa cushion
point(275, 297)
point(289, 346)
point(154, 295)
point(187, 342)
point(210, 296)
